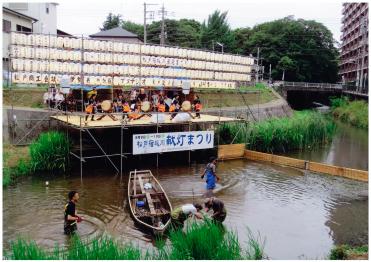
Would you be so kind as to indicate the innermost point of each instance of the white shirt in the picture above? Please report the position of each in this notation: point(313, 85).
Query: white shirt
point(59, 97)
point(189, 208)
point(133, 95)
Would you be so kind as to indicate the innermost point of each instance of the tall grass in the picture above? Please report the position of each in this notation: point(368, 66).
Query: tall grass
point(304, 129)
point(204, 241)
point(352, 112)
point(49, 152)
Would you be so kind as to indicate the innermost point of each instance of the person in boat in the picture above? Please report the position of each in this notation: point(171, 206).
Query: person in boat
point(180, 214)
point(218, 207)
point(70, 215)
point(91, 108)
point(210, 173)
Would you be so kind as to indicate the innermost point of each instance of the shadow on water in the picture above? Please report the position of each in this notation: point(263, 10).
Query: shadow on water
point(296, 212)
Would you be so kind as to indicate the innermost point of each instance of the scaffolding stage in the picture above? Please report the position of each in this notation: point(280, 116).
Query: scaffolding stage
point(78, 121)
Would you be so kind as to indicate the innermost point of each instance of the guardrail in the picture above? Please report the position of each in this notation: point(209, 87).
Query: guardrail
point(312, 85)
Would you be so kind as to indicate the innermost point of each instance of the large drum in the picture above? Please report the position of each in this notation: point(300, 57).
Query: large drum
point(146, 106)
point(186, 106)
point(106, 105)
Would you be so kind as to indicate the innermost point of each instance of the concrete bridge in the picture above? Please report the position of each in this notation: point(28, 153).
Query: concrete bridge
point(284, 87)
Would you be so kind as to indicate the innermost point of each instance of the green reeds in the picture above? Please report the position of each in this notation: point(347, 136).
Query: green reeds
point(305, 129)
point(204, 241)
point(352, 112)
point(49, 152)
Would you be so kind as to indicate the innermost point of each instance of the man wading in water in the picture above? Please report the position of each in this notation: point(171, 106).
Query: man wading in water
point(70, 216)
point(210, 172)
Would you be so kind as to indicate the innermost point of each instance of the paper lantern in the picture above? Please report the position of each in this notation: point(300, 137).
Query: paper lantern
point(152, 49)
point(121, 70)
point(116, 47)
point(13, 38)
point(107, 58)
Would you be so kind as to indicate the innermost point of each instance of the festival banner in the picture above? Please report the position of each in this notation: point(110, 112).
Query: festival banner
point(169, 142)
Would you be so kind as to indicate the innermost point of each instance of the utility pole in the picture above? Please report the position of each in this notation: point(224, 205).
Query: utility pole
point(162, 38)
point(151, 16)
point(258, 67)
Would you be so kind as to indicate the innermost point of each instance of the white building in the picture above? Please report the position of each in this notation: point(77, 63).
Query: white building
point(45, 13)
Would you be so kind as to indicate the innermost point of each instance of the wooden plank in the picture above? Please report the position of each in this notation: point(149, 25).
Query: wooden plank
point(141, 184)
point(143, 195)
point(150, 204)
point(134, 182)
point(232, 151)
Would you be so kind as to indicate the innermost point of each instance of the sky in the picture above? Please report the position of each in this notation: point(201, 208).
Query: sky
point(86, 17)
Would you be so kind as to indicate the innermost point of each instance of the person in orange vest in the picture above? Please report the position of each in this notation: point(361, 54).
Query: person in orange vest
point(125, 109)
point(136, 114)
point(161, 106)
point(197, 106)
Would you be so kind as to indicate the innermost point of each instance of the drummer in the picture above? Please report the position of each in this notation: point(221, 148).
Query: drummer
point(91, 108)
point(137, 114)
point(174, 107)
point(142, 95)
point(197, 105)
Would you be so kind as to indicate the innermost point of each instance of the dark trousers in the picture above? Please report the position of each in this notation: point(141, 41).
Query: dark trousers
point(70, 229)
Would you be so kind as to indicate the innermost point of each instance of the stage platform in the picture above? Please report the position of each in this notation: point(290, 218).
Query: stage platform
point(78, 121)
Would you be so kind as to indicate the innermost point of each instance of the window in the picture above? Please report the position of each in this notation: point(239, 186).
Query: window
point(47, 8)
point(7, 26)
point(23, 29)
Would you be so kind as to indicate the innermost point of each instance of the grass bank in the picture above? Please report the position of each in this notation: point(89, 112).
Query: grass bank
point(346, 252)
point(352, 112)
point(49, 152)
point(205, 241)
point(33, 97)
point(305, 129)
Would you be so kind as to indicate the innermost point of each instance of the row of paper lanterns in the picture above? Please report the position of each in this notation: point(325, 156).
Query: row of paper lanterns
point(121, 47)
point(37, 78)
point(55, 54)
point(45, 66)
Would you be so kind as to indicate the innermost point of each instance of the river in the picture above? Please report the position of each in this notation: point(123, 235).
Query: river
point(296, 214)
point(348, 148)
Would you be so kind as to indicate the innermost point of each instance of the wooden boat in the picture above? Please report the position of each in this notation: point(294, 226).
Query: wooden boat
point(148, 201)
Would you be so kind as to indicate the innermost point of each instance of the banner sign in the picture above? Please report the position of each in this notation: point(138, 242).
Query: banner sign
point(175, 141)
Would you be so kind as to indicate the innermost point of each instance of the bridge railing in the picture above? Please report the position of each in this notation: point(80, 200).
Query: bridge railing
point(312, 85)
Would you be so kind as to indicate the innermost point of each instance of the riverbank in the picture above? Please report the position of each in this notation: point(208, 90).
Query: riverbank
point(352, 112)
point(251, 95)
point(49, 152)
point(206, 241)
point(346, 252)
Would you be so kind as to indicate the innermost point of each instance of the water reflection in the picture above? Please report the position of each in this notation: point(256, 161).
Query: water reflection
point(349, 148)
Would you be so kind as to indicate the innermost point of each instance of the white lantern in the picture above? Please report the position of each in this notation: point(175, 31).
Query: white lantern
point(14, 38)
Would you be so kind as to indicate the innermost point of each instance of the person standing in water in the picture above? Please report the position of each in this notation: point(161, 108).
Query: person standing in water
point(70, 215)
point(210, 172)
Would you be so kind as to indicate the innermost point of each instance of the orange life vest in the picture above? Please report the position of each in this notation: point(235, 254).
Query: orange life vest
point(172, 108)
point(198, 107)
point(89, 109)
point(161, 108)
point(126, 108)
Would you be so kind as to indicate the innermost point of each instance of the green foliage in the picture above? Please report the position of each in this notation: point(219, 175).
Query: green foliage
point(49, 152)
point(6, 176)
point(354, 112)
point(305, 129)
point(111, 21)
point(309, 44)
point(344, 252)
point(135, 28)
point(199, 241)
point(182, 33)
point(217, 29)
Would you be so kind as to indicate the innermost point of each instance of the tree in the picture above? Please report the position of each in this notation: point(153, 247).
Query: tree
point(308, 44)
point(217, 29)
point(183, 33)
point(112, 21)
point(285, 64)
point(135, 28)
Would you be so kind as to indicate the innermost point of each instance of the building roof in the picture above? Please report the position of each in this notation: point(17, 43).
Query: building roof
point(115, 32)
point(60, 32)
point(19, 14)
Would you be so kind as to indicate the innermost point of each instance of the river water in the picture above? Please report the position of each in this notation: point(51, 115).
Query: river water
point(348, 148)
point(297, 214)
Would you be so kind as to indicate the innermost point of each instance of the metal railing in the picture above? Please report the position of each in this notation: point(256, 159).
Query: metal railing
point(312, 85)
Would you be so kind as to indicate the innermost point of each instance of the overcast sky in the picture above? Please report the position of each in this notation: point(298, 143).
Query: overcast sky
point(86, 17)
